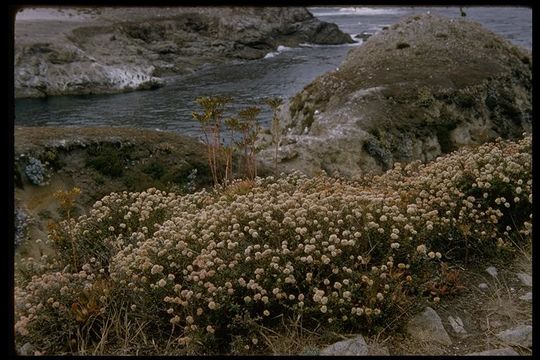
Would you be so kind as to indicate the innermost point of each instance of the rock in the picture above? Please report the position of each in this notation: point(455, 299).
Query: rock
point(527, 297)
point(287, 153)
point(26, 350)
point(428, 326)
point(495, 352)
point(125, 49)
point(409, 95)
point(21, 222)
point(520, 335)
point(525, 279)
point(492, 270)
point(457, 325)
point(355, 347)
point(364, 35)
point(483, 286)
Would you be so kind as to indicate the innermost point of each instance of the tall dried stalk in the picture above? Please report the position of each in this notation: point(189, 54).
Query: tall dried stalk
point(249, 129)
point(211, 125)
point(275, 130)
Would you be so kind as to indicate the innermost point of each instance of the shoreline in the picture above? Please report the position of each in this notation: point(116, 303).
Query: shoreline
point(115, 51)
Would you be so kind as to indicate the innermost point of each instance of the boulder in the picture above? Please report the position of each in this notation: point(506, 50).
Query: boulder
point(520, 335)
point(354, 347)
point(525, 279)
point(427, 326)
point(422, 88)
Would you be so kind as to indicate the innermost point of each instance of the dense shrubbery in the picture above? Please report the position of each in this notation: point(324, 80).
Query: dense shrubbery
point(36, 172)
point(204, 270)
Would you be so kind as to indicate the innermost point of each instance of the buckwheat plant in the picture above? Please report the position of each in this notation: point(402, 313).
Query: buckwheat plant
point(205, 270)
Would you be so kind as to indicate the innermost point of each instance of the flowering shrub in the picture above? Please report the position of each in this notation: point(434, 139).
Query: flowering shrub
point(209, 268)
point(22, 219)
point(36, 172)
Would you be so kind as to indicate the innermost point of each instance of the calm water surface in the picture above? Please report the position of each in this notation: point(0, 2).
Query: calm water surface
point(282, 73)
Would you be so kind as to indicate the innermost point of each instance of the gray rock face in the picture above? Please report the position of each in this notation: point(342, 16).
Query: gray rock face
point(427, 326)
point(527, 297)
point(422, 88)
point(356, 346)
point(457, 324)
point(129, 49)
point(520, 335)
point(525, 279)
point(492, 270)
point(496, 352)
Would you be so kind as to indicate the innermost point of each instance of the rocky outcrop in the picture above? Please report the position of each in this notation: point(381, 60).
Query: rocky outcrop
point(427, 326)
point(130, 49)
point(351, 347)
point(423, 87)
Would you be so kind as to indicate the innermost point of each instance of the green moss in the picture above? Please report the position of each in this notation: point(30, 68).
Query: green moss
point(138, 181)
point(425, 97)
point(98, 179)
point(178, 174)
point(51, 156)
point(108, 160)
point(464, 100)
point(155, 169)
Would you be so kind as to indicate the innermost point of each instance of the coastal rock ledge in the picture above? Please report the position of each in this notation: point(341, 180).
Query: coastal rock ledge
point(422, 88)
point(108, 50)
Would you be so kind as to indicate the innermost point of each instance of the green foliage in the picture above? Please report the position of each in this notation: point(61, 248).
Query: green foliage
point(108, 160)
point(464, 100)
point(242, 132)
point(425, 97)
point(155, 169)
point(51, 157)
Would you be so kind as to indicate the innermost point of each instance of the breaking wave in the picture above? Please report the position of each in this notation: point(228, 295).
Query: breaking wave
point(365, 11)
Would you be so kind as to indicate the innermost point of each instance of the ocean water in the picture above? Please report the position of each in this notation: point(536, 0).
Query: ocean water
point(281, 73)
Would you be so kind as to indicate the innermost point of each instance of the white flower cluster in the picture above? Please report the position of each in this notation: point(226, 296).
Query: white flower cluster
point(321, 246)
